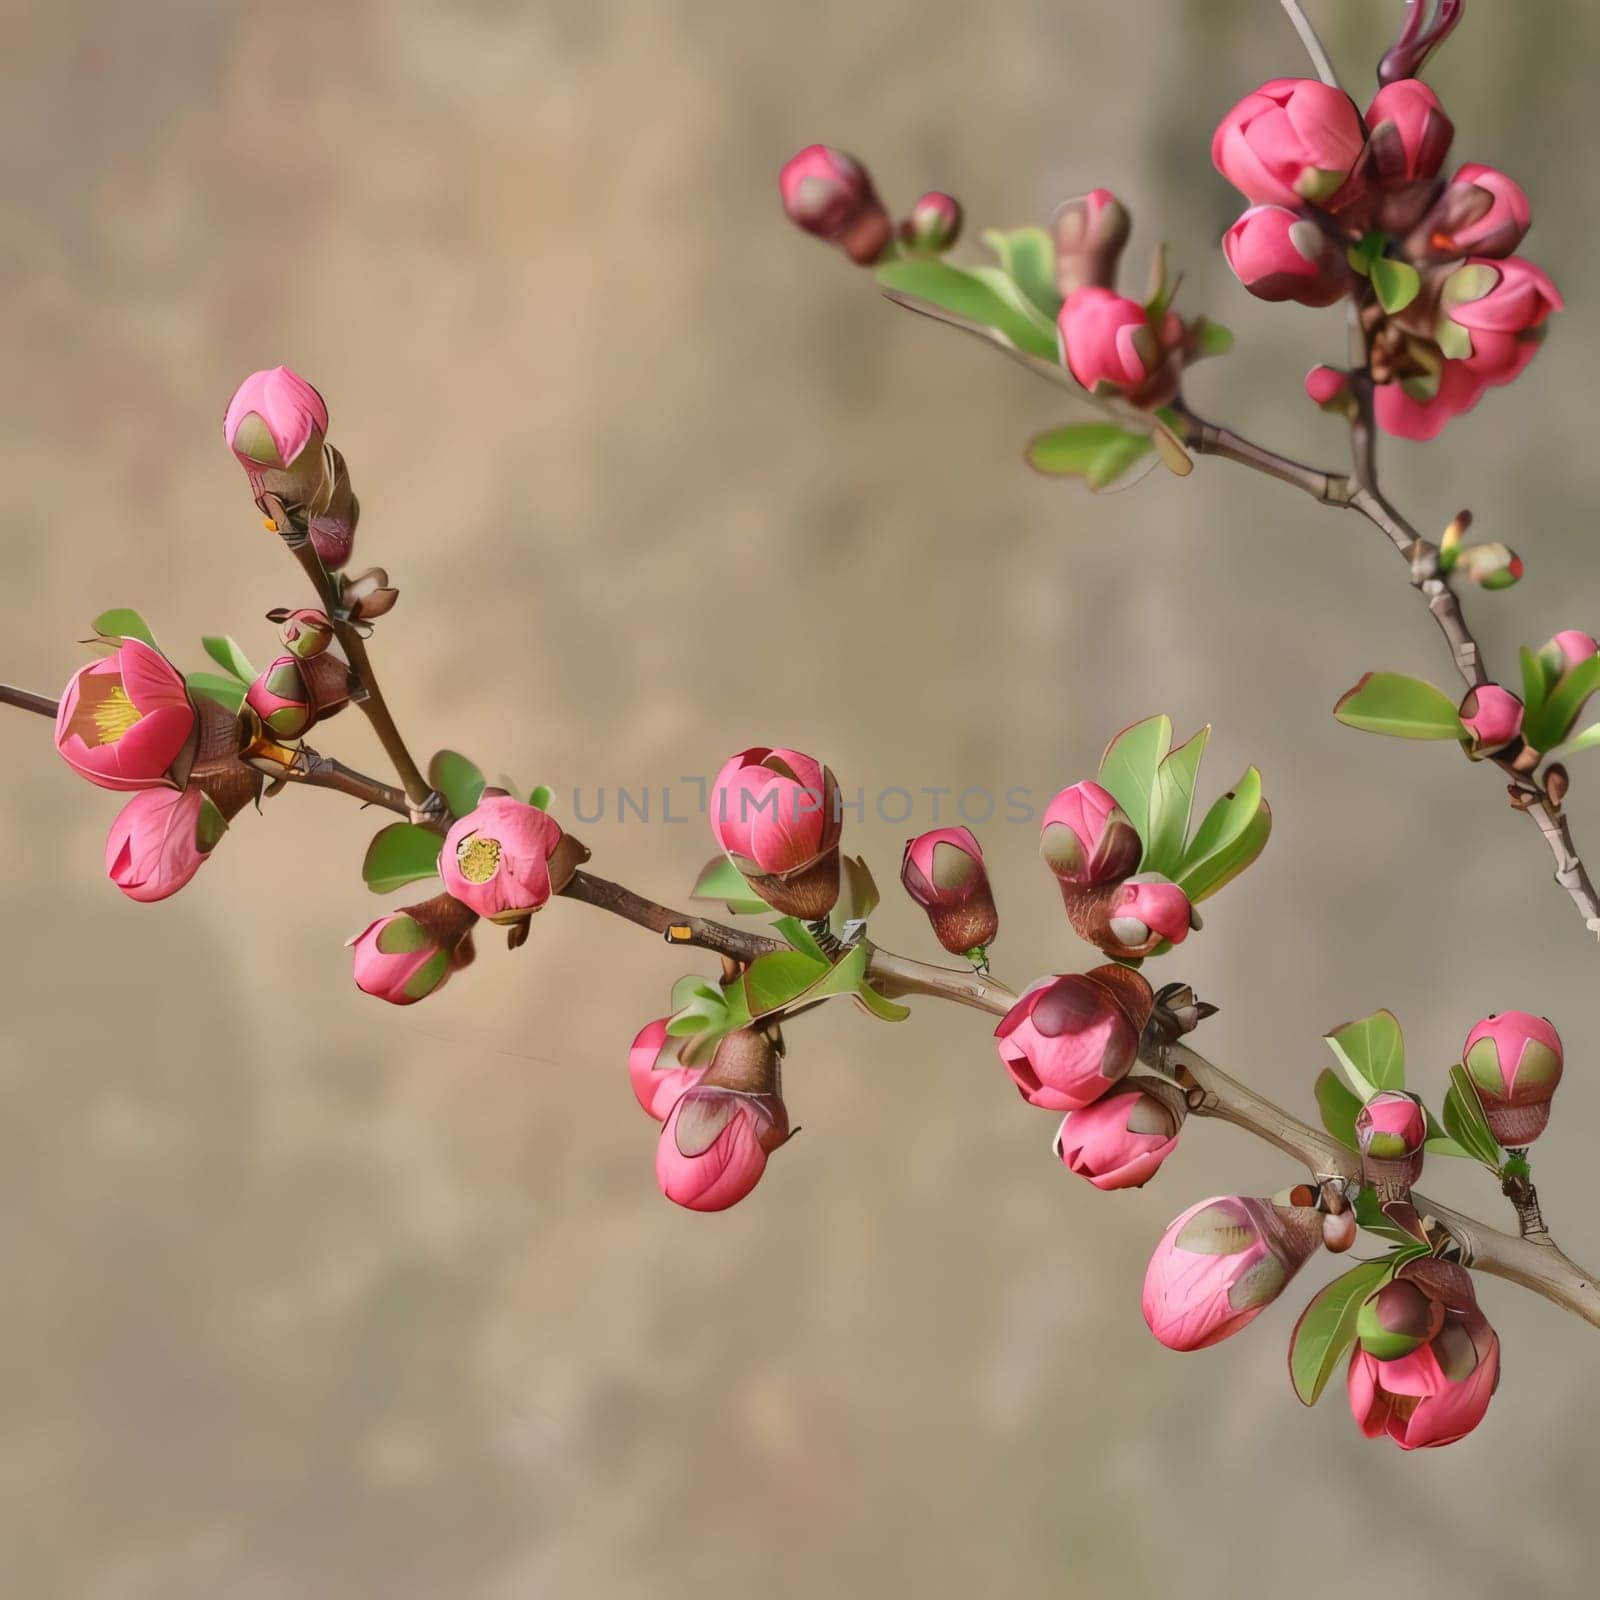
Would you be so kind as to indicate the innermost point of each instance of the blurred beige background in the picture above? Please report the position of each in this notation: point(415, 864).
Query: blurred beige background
point(310, 1297)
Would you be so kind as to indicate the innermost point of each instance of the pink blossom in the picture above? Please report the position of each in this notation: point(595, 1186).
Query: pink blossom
point(1327, 385)
point(1109, 343)
point(934, 224)
point(1086, 837)
point(1492, 717)
point(773, 811)
point(830, 194)
point(1391, 1126)
point(659, 1078)
point(1574, 647)
point(1515, 1062)
point(1410, 134)
point(1150, 906)
point(160, 839)
point(274, 416)
point(1277, 254)
point(1067, 1041)
point(1434, 1396)
point(124, 720)
point(714, 1145)
point(1481, 213)
point(942, 870)
point(496, 859)
point(1407, 417)
point(400, 960)
point(1121, 1140)
point(1499, 305)
point(1220, 1264)
point(1293, 140)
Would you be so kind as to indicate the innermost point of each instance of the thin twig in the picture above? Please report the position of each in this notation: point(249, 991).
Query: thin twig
point(1314, 49)
point(24, 700)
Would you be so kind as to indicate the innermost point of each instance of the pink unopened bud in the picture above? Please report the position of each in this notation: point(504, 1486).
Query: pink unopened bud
point(123, 720)
point(1277, 254)
point(1492, 717)
point(160, 839)
point(1069, 1039)
point(942, 870)
point(1220, 1265)
point(775, 813)
point(1110, 346)
point(1147, 909)
point(502, 859)
point(1121, 1140)
point(1514, 1060)
point(1086, 837)
point(1572, 647)
point(273, 420)
point(1090, 233)
point(658, 1076)
point(304, 632)
point(1481, 213)
point(934, 224)
point(1293, 140)
point(1435, 1394)
point(1489, 314)
point(1391, 1130)
point(409, 954)
point(829, 194)
point(1410, 134)
point(292, 694)
point(1330, 388)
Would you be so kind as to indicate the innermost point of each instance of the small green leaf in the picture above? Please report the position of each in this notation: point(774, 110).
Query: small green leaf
point(1403, 707)
point(1397, 283)
point(227, 692)
point(540, 797)
point(400, 854)
point(1129, 766)
point(1212, 339)
point(457, 779)
point(969, 295)
point(1586, 740)
point(1370, 1214)
point(1465, 1122)
point(774, 981)
point(1327, 1326)
point(1029, 258)
point(1097, 452)
point(720, 880)
point(1368, 249)
point(858, 893)
point(1116, 460)
point(1230, 836)
point(230, 658)
point(1372, 1052)
point(1560, 711)
point(801, 938)
point(209, 826)
point(1537, 682)
point(1172, 806)
point(1338, 1106)
point(122, 623)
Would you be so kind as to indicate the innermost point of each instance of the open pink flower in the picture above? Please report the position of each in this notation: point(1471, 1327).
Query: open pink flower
point(1293, 140)
point(1109, 344)
point(658, 1077)
point(1277, 254)
point(1499, 305)
point(714, 1146)
point(273, 417)
point(1086, 837)
point(1515, 1062)
point(942, 870)
point(1410, 134)
point(773, 810)
point(125, 719)
point(1406, 416)
point(1434, 1396)
point(1220, 1264)
point(496, 859)
point(830, 194)
point(160, 839)
point(1070, 1039)
point(1121, 1140)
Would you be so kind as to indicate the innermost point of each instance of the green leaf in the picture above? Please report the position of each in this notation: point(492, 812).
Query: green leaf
point(969, 295)
point(1368, 249)
point(801, 938)
point(1338, 1106)
point(1212, 339)
point(1172, 805)
point(1129, 766)
point(1537, 682)
point(1560, 711)
point(1327, 1326)
point(1005, 288)
point(1230, 836)
point(1370, 1214)
point(227, 692)
point(858, 893)
point(1403, 707)
point(400, 854)
point(1115, 460)
point(457, 779)
point(540, 797)
point(1465, 1122)
point(230, 658)
point(774, 981)
point(121, 623)
point(698, 1007)
point(1029, 258)
point(1071, 452)
point(720, 880)
point(1586, 740)
point(1397, 283)
point(1372, 1052)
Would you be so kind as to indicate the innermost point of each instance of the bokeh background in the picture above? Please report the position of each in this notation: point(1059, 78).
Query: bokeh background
point(308, 1297)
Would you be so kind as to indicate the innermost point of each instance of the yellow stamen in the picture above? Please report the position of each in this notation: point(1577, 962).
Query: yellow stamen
point(269, 524)
point(478, 858)
point(104, 713)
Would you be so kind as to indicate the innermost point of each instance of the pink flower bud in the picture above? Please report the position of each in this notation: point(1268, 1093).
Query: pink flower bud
point(942, 870)
point(1109, 345)
point(1147, 909)
point(1514, 1060)
point(1482, 213)
point(125, 719)
point(934, 224)
point(1497, 306)
point(497, 859)
point(304, 632)
point(1330, 388)
point(654, 1069)
point(1436, 1394)
point(160, 839)
point(1086, 837)
point(1121, 1140)
point(409, 954)
point(1492, 717)
point(829, 194)
point(1410, 134)
point(1293, 140)
point(775, 814)
point(1391, 1130)
point(1220, 1264)
point(274, 418)
point(1408, 416)
point(1090, 233)
point(1279, 255)
point(292, 693)
point(1572, 647)
point(1069, 1039)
